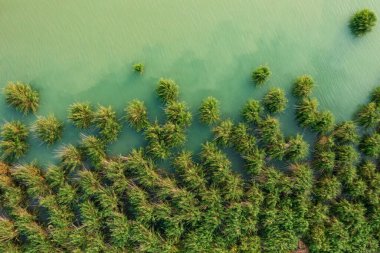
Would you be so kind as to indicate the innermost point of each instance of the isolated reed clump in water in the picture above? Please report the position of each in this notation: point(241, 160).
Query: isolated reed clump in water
point(362, 22)
point(261, 74)
point(303, 86)
point(139, 67)
point(160, 197)
point(48, 129)
point(81, 114)
point(22, 97)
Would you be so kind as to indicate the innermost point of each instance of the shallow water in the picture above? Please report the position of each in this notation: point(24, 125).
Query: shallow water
point(83, 51)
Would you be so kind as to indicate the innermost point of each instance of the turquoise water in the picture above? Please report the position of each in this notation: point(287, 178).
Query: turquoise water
point(83, 51)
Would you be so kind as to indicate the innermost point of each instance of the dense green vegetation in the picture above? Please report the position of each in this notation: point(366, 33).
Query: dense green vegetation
point(362, 22)
point(326, 194)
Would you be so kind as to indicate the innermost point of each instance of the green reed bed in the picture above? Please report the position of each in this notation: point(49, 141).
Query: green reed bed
point(325, 193)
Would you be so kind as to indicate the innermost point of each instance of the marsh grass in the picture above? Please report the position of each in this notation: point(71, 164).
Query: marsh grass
point(167, 90)
point(138, 67)
point(368, 115)
point(107, 123)
point(346, 132)
point(136, 115)
point(261, 75)
point(178, 113)
point(209, 111)
point(324, 122)
point(362, 22)
point(275, 100)
point(375, 96)
point(70, 157)
point(48, 129)
point(303, 86)
point(13, 144)
point(81, 114)
point(252, 111)
point(22, 97)
point(306, 111)
point(223, 133)
point(296, 148)
point(370, 145)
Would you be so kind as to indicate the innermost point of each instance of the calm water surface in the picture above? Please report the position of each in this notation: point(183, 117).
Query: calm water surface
point(83, 51)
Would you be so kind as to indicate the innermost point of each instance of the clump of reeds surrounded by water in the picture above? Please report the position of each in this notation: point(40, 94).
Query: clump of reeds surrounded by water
point(22, 96)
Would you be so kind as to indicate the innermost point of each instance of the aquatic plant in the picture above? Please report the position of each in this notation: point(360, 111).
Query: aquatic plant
point(48, 128)
point(138, 67)
point(296, 148)
point(161, 138)
point(93, 148)
point(324, 122)
point(261, 74)
point(22, 97)
point(306, 112)
point(375, 96)
point(81, 114)
point(272, 138)
point(303, 86)
point(346, 132)
point(352, 215)
point(9, 231)
point(139, 207)
point(241, 139)
point(136, 114)
point(254, 161)
point(370, 145)
point(209, 112)
point(345, 155)
point(275, 100)
point(13, 142)
point(362, 22)
point(167, 90)
point(324, 161)
point(368, 115)
point(328, 188)
point(252, 111)
point(107, 123)
point(223, 132)
point(178, 113)
point(217, 164)
point(188, 172)
point(70, 157)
